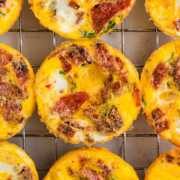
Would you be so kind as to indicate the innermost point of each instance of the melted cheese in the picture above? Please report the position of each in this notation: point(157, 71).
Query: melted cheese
point(58, 81)
point(97, 137)
point(8, 169)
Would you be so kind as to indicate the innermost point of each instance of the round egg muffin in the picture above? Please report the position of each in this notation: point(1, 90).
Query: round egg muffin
point(15, 164)
point(165, 14)
point(160, 83)
point(9, 13)
point(91, 163)
point(87, 92)
point(165, 167)
point(16, 91)
point(81, 18)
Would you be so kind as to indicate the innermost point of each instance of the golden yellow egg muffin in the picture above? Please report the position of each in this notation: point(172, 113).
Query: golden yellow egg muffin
point(165, 167)
point(16, 91)
point(165, 14)
point(9, 13)
point(87, 92)
point(160, 83)
point(91, 164)
point(81, 19)
point(15, 164)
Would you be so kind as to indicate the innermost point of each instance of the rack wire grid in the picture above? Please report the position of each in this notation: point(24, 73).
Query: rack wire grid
point(136, 38)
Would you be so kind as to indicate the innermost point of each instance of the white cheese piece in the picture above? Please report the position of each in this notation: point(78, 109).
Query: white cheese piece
point(66, 15)
point(177, 3)
point(164, 101)
point(58, 81)
point(9, 169)
point(97, 137)
point(80, 136)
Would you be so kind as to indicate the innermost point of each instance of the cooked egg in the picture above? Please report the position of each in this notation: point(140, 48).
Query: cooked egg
point(160, 83)
point(16, 91)
point(81, 19)
point(91, 163)
point(87, 92)
point(9, 13)
point(166, 167)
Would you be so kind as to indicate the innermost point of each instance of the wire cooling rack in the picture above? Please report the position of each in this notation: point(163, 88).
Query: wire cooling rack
point(139, 146)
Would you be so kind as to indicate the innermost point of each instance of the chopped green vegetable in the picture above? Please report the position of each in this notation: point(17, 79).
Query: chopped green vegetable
point(113, 178)
point(61, 72)
point(121, 17)
point(169, 84)
point(90, 34)
point(2, 14)
point(110, 25)
point(73, 86)
point(171, 57)
point(105, 111)
point(144, 102)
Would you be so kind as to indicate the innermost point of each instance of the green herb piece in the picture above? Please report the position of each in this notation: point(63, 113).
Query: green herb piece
point(113, 178)
point(144, 102)
point(2, 14)
point(121, 17)
point(110, 25)
point(105, 111)
point(73, 86)
point(90, 34)
point(169, 84)
point(171, 57)
point(61, 72)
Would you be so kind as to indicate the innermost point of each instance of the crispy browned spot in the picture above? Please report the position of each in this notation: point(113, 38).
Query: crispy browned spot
point(74, 55)
point(25, 174)
point(108, 122)
point(111, 63)
point(158, 74)
point(160, 121)
point(137, 95)
point(177, 24)
point(66, 129)
point(169, 158)
point(5, 57)
point(21, 70)
point(10, 102)
point(2, 2)
point(74, 5)
point(176, 72)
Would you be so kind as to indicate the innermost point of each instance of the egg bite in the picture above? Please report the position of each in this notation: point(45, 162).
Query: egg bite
point(87, 92)
point(165, 167)
point(165, 14)
point(16, 91)
point(15, 163)
point(160, 83)
point(91, 163)
point(9, 13)
point(76, 19)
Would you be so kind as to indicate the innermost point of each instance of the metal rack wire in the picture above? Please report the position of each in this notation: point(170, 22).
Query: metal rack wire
point(121, 30)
